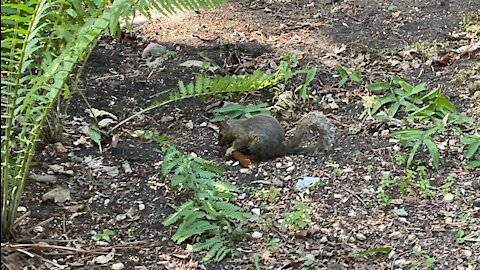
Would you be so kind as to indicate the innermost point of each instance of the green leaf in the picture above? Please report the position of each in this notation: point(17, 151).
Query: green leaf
point(473, 164)
point(433, 149)
point(95, 135)
point(377, 86)
point(413, 152)
point(180, 212)
point(342, 82)
point(472, 149)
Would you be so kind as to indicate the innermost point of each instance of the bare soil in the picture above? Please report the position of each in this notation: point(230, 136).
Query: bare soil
point(347, 217)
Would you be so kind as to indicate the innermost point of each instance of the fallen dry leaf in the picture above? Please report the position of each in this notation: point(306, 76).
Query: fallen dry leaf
point(58, 195)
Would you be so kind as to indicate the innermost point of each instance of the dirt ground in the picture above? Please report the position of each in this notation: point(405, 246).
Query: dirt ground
point(401, 38)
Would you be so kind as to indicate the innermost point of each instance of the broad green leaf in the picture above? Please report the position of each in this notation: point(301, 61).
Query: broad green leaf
point(472, 149)
point(377, 86)
point(433, 149)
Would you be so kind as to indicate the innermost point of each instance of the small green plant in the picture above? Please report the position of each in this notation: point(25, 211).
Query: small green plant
point(271, 195)
point(424, 113)
point(370, 168)
point(448, 184)
point(256, 261)
point(400, 159)
point(308, 262)
point(105, 235)
point(414, 138)
point(235, 110)
point(423, 183)
point(297, 220)
point(427, 263)
point(209, 218)
point(411, 181)
point(337, 171)
point(460, 237)
point(354, 76)
point(381, 192)
point(472, 151)
point(273, 244)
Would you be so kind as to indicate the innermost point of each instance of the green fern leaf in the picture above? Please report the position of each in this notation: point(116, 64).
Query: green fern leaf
point(200, 227)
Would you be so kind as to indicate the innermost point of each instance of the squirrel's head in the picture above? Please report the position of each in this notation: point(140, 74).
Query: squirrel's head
point(225, 136)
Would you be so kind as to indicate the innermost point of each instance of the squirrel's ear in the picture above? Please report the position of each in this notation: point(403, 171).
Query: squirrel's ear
point(223, 124)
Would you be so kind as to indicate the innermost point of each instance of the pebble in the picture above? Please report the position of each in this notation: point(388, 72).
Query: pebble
point(278, 165)
point(411, 237)
point(245, 171)
point(242, 196)
point(467, 253)
point(257, 235)
point(324, 239)
point(141, 206)
point(367, 177)
point(337, 196)
point(256, 211)
point(38, 229)
point(401, 262)
point(395, 235)
point(118, 266)
point(21, 209)
point(448, 197)
point(360, 236)
point(287, 178)
point(291, 168)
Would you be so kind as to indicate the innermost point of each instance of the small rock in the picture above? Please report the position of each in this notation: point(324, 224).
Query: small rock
point(245, 171)
point(291, 168)
point(467, 253)
point(38, 229)
point(391, 254)
point(257, 235)
point(242, 196)
point(121, 217)
point(367, 177)
point(324, 239)
point(448, 220)
point(118, 266)
point(278, 165)
point(411, 237)
point(360, 236)
point(141, 206)
point(395, 235)
point(337, 196)
point(256, 211)
point(448, 197)
point(401, 212)
point(401, 262)
point(287, 178)
point(229, 162)
point(21, 209)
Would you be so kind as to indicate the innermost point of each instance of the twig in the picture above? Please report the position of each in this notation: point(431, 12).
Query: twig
point(40, 224)
point(32, 255)
point(356, 196)
point(43, 245)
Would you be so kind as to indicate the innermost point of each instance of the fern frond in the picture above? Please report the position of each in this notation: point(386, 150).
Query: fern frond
point(187, 230)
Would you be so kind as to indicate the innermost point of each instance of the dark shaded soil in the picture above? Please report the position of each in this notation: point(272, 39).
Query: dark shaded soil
point(347, 216)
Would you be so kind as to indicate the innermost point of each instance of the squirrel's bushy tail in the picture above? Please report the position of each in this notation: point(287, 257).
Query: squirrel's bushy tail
point(314, 133)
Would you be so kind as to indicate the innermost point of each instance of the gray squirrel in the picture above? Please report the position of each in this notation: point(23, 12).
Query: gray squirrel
point(261, 137)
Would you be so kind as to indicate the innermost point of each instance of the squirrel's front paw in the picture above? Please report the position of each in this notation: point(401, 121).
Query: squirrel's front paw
point(229, 152)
